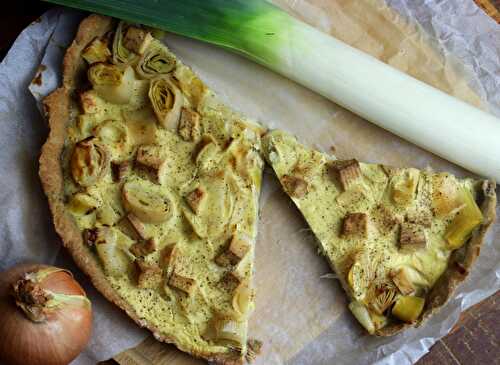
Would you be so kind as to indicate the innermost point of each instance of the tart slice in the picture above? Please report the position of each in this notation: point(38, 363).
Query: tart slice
point(153, 185)
point(399, 239)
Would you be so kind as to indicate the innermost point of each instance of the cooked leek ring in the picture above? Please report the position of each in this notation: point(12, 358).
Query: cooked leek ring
point(89, 162)
point(408, 308)
point(467, 219)
point(445, 194)
point(155, 61)
point(147, 201)
point(242, 300)
point(197, 223)
point(208, 158)
point(112, 83)
point(379, 321)
point(106, 215)
point(404, 186)
point(114, 259)
point(232, 333)
point(220, 206)
point(114, 133)
point(167, 101)
point(361, 275)
point(380, 299)
point(121, 55)
point(81, 204)
point(363, 316)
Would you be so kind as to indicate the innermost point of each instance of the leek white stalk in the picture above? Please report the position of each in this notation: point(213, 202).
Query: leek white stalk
point(379, 93)
point(391, 99)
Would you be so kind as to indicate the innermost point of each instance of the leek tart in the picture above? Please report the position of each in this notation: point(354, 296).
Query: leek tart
point(399, 239)
point(154, 186)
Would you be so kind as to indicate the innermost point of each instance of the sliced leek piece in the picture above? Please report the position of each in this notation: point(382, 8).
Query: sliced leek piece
point(231, 332)
point(408, 308)
point(112, 132)
point(112, 83)
point(381, 299)
point(167, 101)
point(106, 215)
point(242, 300)
point(82, 204)
point(445, 194)
point(404, 186)
point(362, 314)
point(115, 261)
point(155, 61)
point(208, 156)
point(466, 220)
point(379, 321)
point(89, 162)
point(147, 201)
point(121, 55)
point(86, 123)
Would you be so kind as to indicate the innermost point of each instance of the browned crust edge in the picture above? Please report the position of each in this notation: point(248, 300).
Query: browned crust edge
point(57, 108)
point(459, 264)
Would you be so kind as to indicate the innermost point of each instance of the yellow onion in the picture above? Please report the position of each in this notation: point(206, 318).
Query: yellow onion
point(45, 316)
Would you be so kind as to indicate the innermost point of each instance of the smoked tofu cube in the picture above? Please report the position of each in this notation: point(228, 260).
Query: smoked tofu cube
point(355, 224)
point(412, 236)
point(236, 250)
point(189, 125)
point(294, 186)
point(196, 198)
point(182, 283)
point(348, 172)
point(148, 275)
point(141, 249)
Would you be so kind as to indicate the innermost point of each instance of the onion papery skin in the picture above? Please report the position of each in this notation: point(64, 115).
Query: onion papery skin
point(56, 340)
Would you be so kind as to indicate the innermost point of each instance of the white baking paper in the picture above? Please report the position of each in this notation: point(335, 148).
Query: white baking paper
point(301, 317)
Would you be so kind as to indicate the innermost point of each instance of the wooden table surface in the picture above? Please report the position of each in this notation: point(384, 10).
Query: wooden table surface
point(474, 340)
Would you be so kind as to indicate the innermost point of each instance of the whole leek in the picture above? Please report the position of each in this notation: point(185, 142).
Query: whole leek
point(379, 93)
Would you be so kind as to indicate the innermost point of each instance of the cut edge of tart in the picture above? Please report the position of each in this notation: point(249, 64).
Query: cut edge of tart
point(399, 239)
point(153, 186)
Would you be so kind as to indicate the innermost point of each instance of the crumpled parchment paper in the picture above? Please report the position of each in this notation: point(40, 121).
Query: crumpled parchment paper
point(301, 317)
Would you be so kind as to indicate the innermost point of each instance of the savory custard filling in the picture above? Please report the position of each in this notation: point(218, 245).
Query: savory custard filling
point(387, 232)
point(163, 182)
